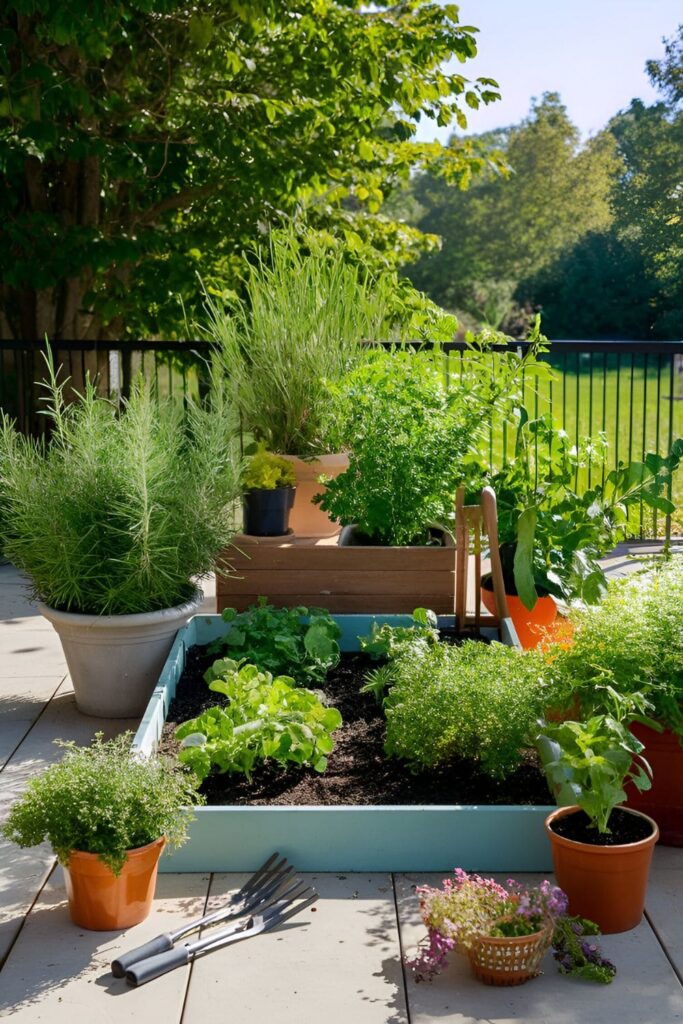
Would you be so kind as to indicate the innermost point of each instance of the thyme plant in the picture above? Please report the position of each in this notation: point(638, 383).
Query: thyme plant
point(123, 506)
point(99, 799)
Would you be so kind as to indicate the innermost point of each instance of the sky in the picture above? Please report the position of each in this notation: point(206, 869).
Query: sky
point(592, 52)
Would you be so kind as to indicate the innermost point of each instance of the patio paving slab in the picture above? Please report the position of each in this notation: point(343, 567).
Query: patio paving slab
point(59, 974)
point(338, 963)
point(645, 990)
point(665, 903)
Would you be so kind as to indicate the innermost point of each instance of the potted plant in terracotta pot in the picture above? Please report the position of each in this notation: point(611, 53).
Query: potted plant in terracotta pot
point(112, 521)
point(107, 817)
point(601, 849)
point(552, 531)
point(634, 639)
point(269, 492)
point(299, 327)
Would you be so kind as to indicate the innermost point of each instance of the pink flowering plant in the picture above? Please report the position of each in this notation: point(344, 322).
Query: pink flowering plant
point(468, 907)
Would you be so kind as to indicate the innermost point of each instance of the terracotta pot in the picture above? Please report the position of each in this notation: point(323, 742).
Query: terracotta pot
point(307, 519)
point(664, 801)
point(530, 626)
point(101, 901)
point(606, 884)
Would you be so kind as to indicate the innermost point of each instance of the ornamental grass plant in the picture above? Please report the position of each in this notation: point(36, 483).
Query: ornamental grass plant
point(299, 327)
point(99, 799)
point(125, 504)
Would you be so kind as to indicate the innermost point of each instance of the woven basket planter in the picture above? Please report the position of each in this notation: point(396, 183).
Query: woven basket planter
point(509, 960)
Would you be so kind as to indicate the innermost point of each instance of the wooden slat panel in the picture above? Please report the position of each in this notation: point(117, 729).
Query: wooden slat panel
point(334, 559)
point(274, 582)
point(361, 604)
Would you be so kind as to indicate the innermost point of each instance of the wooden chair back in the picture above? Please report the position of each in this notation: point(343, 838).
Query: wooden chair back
point(471, 523)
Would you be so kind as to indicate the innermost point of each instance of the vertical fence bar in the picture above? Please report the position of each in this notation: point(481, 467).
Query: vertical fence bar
point(590, 410)
point(655, 521)
point(576, 414)
point(604, 408)
point(642, 505)
point(667, 527)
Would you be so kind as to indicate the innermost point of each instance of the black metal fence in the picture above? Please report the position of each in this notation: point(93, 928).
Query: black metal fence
point(631, 391)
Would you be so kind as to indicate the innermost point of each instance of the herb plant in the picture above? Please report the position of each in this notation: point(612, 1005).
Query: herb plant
point(477, 701)
point(300, 326)
point(265, 718)
point(413, 438)
point(596, 758)
point(386, 642)
point(125, 505)
point(268, 472)
point(469, 907)
point(99, 799)
point(551, 532)
point(299, 642)
point(631, 642)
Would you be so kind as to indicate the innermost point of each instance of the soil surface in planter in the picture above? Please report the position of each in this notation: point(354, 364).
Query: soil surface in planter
point(358, 772)
point(624, 828)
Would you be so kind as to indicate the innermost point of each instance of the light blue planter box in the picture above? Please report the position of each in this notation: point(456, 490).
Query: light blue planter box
point(345, 838)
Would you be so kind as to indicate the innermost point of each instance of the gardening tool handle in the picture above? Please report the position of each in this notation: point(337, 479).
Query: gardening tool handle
point(160, 944)
point(155, 966)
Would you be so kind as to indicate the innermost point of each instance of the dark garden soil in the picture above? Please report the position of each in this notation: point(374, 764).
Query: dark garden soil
point(624, 828)
point(358, 772)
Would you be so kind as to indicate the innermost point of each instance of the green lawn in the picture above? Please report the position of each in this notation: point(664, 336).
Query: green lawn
point(637, 401)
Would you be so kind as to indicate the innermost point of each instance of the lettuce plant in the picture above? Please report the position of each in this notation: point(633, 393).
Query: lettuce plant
point(265, 718)
point(299, 642)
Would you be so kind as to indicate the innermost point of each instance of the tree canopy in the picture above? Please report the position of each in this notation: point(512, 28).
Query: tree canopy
point(144, 142)
point(592, 235)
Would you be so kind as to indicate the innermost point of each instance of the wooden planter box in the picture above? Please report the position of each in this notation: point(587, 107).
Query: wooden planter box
point(346, 837)
point(317, 572)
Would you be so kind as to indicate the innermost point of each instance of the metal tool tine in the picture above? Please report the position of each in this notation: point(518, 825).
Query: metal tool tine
point(259, 922)
point(278, 916)
point(263, 870)
point(248, 901)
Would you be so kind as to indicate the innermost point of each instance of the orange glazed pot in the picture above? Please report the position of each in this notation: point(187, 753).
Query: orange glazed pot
point(664, 801)
point(530, 626)
point(606, 884)
point(100, 900)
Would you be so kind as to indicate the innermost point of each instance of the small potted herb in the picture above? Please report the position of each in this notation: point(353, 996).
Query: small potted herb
point(107, 817)
point(504, 931)
point(601, 850)
point(270, 488)
point(552, 532)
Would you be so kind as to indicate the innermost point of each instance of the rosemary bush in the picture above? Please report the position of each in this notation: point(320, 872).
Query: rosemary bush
point(477, 701)
point(298, 328)
point(99, 799)
point(122, 507)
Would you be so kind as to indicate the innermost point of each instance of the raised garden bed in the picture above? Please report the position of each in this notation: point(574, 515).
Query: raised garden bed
point(316, 571)
point(414, 830)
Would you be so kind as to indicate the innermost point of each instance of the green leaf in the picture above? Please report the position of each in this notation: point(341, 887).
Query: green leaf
point(524, 558)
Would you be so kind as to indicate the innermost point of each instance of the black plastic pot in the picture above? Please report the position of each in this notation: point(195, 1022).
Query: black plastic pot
point(266, 512)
